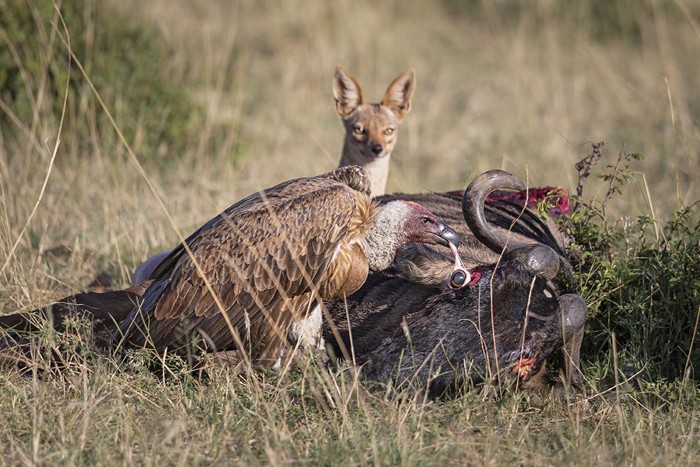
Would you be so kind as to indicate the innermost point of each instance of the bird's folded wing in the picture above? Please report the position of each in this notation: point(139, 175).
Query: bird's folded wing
point(258, 254)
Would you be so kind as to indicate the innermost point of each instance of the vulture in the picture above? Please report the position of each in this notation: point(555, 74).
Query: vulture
point(240, 281)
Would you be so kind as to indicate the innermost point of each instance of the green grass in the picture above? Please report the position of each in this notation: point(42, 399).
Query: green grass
point(524, 86)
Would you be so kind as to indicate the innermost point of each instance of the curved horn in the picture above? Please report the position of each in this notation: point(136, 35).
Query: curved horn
point(573, 311)
point(573, 318)
point(539, 260)
point(473, 203)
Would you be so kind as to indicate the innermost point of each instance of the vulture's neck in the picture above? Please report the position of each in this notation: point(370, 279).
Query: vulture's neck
point(385, 235)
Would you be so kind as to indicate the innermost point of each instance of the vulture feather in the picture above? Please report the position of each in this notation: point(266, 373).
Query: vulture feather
point(269, 259)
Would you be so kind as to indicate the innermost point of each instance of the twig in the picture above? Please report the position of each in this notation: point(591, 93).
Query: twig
point(584, 165)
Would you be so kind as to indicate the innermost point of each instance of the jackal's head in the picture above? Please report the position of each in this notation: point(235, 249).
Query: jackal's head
point(371, 129)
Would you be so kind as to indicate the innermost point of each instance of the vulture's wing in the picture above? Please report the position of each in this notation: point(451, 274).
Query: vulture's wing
point(257, 256)
point(353, 177)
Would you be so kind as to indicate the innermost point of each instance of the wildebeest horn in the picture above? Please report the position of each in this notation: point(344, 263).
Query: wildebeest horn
point(573, 317)
point(473, 203)
point(539, 260)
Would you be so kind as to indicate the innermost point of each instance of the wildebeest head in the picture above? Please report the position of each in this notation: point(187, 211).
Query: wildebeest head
point(503, 327)
point(406, 327)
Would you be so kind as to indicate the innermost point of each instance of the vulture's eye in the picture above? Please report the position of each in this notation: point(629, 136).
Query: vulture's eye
point(389, 131)
point(426, 220)
point(358, 130)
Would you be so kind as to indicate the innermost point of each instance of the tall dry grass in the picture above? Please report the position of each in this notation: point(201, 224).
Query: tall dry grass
point(498, 86)
point(519, 91)
point(525, 93)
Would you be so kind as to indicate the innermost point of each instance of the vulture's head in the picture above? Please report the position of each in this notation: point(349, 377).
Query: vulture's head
point(399, 223)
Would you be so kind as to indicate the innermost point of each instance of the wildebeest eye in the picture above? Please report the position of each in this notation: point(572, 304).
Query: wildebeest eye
point(458, 278)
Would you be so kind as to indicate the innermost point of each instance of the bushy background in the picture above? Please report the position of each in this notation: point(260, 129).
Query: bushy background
point(217, 99)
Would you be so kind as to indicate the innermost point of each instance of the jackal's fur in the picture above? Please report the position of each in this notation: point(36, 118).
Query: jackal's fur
point(371, 130)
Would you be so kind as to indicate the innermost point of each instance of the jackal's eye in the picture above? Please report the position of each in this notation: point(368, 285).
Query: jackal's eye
point(358, 130)
point(389, 131)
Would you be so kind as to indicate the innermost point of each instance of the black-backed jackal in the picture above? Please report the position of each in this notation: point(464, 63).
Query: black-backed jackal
point(371, 130)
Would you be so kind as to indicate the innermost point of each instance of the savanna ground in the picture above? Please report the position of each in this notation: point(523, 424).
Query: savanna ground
point(218, 99)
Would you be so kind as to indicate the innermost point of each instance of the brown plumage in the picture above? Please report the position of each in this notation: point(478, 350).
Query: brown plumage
point(269, 259)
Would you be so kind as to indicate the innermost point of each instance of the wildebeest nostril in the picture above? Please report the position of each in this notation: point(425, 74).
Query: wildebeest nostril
point(377, 149)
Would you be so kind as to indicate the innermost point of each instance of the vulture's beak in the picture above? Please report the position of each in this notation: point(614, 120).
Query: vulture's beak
point(446, 235)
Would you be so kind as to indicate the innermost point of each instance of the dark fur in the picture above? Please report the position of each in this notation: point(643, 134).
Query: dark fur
point(439, 339)
point(405, 327)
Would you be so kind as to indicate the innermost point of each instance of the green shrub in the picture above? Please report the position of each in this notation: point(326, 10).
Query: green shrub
point(641, 281)
point(123, 59)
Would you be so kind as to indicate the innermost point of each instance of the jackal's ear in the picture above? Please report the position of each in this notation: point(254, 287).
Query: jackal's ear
point(347, 92)
point(398, 95)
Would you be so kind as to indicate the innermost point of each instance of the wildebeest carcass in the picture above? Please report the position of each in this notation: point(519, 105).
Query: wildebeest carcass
point(405, 326)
